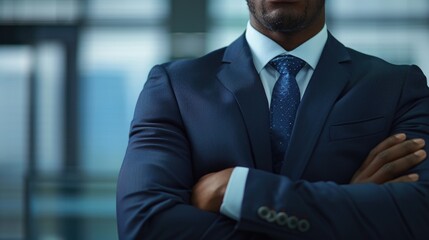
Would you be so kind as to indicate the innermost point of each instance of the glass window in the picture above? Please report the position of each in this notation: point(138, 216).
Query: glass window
point(114, 66)
point(39, 11)
point(147, 10)
point(49, 106)
point(15, 71)
point(369, 9)
point(227, 22)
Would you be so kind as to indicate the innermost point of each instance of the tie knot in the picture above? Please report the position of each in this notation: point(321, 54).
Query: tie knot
point(287, 64)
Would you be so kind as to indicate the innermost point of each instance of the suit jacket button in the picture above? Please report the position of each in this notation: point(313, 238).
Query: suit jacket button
point(292, 222)
point(263, 212)
point(303, 225)
point(281, 218)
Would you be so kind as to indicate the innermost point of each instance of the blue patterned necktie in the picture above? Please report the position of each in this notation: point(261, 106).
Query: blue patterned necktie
point(284, 104)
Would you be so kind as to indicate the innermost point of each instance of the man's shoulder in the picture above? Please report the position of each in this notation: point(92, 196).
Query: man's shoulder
point(371, 63)
point(372, 69)
point(205, 64)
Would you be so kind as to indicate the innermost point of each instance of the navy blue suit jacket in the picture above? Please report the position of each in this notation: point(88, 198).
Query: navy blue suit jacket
point(199, 116)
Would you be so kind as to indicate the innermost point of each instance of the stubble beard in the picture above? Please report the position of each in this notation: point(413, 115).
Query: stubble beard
point(277, 22)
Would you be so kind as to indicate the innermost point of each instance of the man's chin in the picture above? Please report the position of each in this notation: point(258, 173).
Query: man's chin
point(284, 26)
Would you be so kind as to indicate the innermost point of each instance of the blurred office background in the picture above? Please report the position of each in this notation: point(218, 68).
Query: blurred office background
point(71, 71)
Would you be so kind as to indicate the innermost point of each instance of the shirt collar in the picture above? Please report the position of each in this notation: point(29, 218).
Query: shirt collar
point(264, 49)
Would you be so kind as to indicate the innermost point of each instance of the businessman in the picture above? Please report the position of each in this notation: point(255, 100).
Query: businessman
point(284, 134)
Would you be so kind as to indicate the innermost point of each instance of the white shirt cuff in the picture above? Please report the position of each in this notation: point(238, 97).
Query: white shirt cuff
point(233, 199)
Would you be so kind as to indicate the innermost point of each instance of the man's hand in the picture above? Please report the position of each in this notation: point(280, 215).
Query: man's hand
point(390, 159)
point(208, 193)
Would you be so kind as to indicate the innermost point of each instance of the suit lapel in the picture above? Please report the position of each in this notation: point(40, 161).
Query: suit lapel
point(239, 76)
point(329, 79)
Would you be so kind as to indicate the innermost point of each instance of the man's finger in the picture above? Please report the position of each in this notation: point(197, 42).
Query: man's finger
point(407, 178)
point(387, 143)
point(386, 158)
point(395, 168)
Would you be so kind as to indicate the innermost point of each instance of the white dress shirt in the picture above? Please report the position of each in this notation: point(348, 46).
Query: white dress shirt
point(263, 50)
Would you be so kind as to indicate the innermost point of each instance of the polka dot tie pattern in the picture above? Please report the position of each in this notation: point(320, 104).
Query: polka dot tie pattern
point(285, 100)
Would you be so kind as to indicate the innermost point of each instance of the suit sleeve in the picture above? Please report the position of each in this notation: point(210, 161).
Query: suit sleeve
point(156, 178)
point(326, 210)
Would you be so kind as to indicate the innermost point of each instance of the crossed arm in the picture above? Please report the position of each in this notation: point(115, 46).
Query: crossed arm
point(387, 162)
